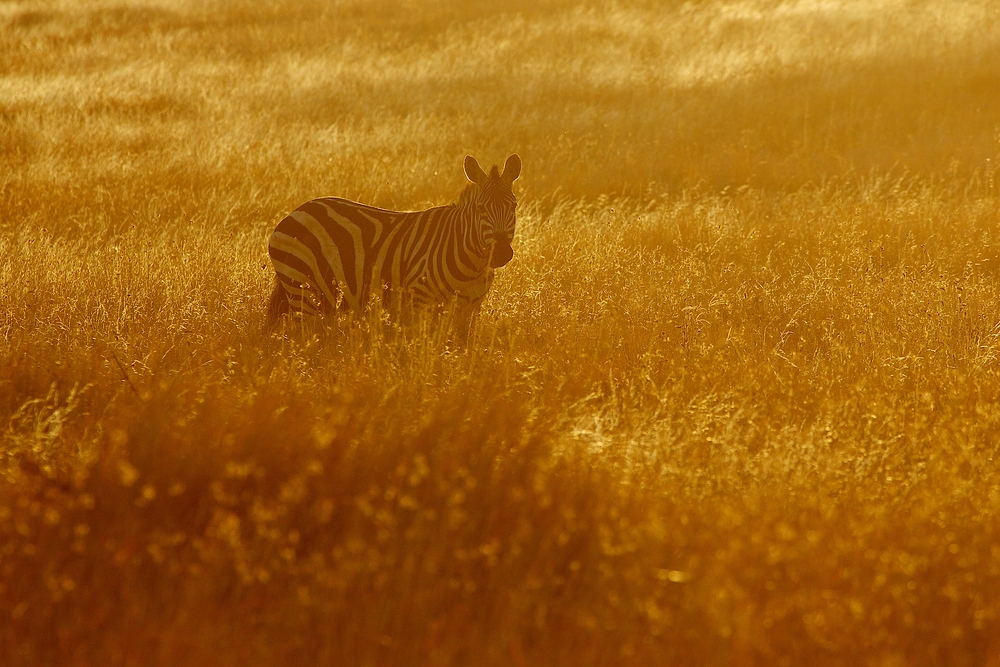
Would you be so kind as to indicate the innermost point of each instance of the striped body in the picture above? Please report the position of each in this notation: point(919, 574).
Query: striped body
point(329, 252)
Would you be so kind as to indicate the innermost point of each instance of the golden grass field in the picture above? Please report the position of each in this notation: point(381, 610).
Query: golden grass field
point(735, 401)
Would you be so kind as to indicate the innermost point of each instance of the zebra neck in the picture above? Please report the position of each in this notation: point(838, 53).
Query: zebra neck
point(468, 197)
point(473, 254)
point(468, 229)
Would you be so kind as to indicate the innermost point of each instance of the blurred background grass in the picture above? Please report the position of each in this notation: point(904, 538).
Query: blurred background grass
point(733, 401)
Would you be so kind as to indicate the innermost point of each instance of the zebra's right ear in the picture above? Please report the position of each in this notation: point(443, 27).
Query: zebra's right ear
point(473, 171)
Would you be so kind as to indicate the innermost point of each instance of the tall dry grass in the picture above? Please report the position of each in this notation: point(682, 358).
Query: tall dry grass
point(733, 402)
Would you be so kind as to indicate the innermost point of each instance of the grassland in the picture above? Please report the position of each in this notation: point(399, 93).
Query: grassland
point(735, 401)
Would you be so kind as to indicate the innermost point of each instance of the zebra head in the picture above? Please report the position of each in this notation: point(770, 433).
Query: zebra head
point(494, 207)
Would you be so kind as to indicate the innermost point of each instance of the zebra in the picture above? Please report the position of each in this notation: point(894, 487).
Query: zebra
point(328, 252)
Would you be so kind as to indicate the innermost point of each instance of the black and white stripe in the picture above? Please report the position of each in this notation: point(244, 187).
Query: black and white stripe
point(328, 252)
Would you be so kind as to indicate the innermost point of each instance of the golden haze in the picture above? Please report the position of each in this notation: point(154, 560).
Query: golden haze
point(733, 402)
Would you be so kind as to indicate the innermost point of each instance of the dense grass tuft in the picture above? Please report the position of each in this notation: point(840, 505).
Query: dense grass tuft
point(734, 401)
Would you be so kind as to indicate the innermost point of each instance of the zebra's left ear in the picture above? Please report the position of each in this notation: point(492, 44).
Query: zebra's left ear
point(473, 171)
point(511, 169)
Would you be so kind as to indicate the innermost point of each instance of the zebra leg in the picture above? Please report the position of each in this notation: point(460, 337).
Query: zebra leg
point(298, 299)
point(402, 306)
point(277, 305)
point(466, 316)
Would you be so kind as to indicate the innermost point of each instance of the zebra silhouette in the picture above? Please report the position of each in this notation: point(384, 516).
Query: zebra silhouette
point(329, 252)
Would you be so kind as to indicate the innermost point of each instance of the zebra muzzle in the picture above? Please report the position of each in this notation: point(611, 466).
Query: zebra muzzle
point(501, 253)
